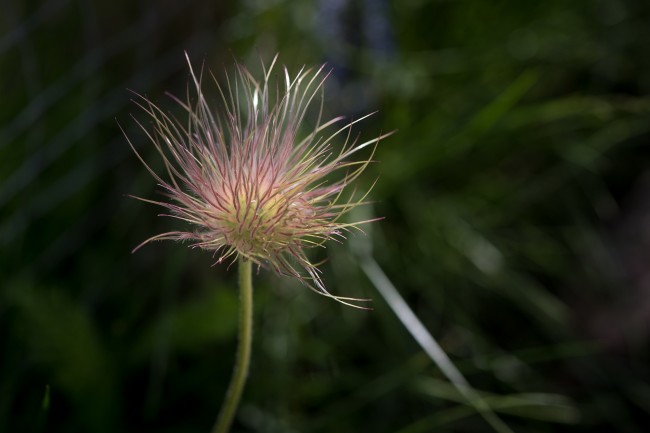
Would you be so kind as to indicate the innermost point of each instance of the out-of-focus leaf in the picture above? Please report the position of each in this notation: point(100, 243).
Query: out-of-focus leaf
point(61, 337)
point(542, 406)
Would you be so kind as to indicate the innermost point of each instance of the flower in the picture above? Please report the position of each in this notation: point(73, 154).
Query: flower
point(245, 179)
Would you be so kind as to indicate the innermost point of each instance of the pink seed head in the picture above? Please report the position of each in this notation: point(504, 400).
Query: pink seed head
point(248, 181)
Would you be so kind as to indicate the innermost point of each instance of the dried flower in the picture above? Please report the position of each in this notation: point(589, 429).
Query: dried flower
point(244, 179)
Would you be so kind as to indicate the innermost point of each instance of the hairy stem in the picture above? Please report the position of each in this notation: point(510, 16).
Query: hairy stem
point(242, 362)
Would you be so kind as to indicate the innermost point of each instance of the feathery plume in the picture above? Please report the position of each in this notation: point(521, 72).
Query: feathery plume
point(246, 180)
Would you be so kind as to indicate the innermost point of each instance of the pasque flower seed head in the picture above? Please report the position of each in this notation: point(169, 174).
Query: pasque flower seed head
point(247, 178)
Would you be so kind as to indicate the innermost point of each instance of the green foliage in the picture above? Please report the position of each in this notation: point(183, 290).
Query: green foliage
point(514, 197)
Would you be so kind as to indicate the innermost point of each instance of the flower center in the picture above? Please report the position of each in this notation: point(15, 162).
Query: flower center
point(263, 222)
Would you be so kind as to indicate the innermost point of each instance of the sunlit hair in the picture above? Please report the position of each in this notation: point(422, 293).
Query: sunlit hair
point(248, 179)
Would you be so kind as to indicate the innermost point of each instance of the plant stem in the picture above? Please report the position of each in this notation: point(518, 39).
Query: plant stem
point(242, 361)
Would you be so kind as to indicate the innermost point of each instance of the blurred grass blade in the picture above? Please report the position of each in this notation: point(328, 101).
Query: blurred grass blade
point(427, 342)
point(45, 405)
point(486, 118)
point(540, 406)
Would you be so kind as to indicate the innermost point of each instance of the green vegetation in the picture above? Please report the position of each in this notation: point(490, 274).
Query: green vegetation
point(516, 221)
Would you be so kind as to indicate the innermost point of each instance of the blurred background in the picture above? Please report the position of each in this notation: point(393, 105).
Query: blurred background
point(516, 197)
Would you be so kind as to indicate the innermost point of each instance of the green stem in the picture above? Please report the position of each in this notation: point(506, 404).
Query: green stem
point(243, 349)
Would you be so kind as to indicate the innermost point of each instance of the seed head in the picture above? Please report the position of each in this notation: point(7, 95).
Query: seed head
point(247, 178)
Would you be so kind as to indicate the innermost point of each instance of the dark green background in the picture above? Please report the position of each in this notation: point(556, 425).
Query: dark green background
point(515, 195)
